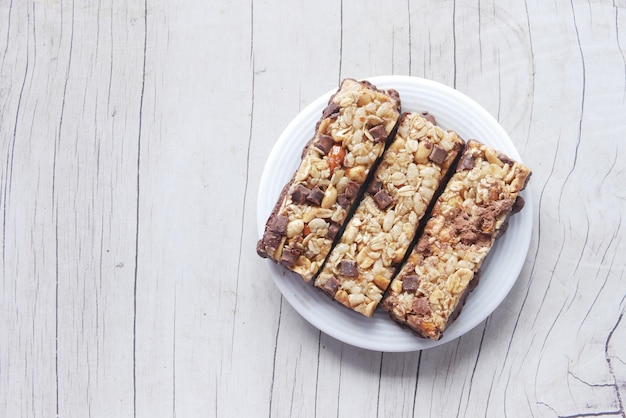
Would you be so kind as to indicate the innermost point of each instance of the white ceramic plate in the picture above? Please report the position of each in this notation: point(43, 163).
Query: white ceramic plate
point(453, 110)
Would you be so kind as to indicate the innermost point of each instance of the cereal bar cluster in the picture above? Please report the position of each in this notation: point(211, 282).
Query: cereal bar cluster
point(465, 221)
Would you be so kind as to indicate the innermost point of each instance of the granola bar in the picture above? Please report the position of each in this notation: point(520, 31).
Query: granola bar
point(349, 140)
point(429, 291)
point(377, 237)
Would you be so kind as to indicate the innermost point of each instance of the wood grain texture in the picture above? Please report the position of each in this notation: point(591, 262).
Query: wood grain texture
point(132, 139)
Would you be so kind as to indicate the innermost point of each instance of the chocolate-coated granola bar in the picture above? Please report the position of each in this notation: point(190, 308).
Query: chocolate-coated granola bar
point(377, 237)
point(349, 140)
point(431, 287)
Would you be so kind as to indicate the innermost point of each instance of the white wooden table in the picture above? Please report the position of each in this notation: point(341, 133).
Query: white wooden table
point(132, 138)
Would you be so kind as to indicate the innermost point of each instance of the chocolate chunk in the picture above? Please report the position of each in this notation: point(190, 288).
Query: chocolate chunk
point(343, 200)
point(378, 133)
point(485, 240)
point(410, 283)
point(438, 155)
point(468, 237)
point(495, 209)
point(299, 194)
point(423, 247)
point(271, 239)
point(333, 228)
point(348, 268)
point(315, 196)
point(331, 111)
point(430, 118)
point(324, 143)
point(383, 199)
point(395, 95)
point(375, 186)
point(331, 286)
point(278, 224)
point(352, 189)
point(421, 306)
point(466, 163)
point(518, 204)
point(505, 159)
point(289, 257)
point(261, 249)
point(480, 239)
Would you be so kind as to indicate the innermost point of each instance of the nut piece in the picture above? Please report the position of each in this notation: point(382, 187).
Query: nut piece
point(294, 228)
point(330, 197)
point(357, 173)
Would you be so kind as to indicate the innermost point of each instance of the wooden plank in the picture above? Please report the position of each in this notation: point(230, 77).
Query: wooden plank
point(70, 261)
